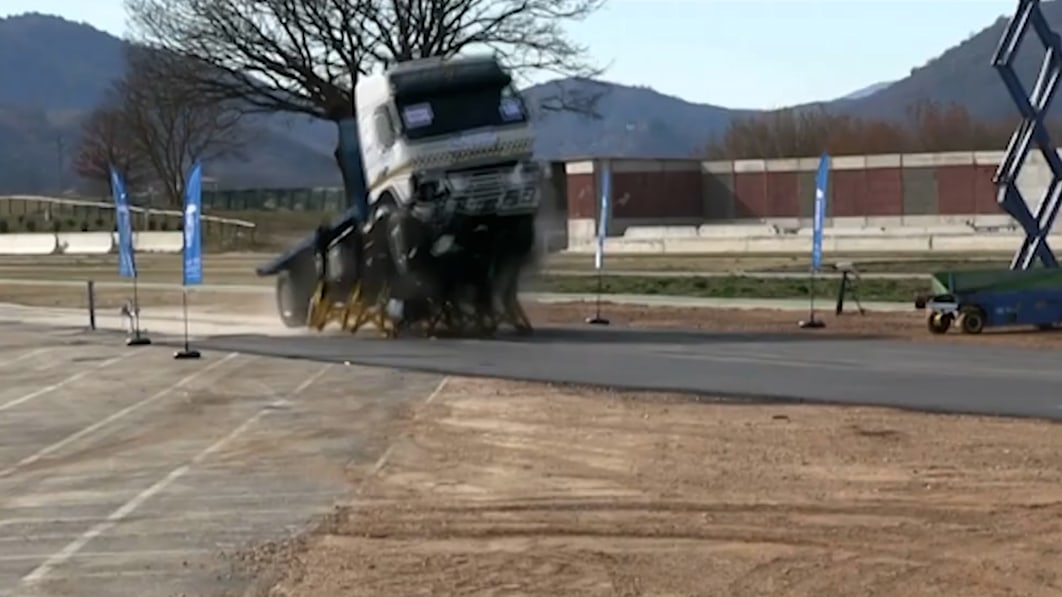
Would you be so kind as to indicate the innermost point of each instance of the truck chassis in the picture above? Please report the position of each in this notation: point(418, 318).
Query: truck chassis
point(389, 274)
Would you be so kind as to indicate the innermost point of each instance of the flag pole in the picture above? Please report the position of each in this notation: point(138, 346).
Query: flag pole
point(821, 180)
point(186, 352)
point(138, 339)
point(602, 233)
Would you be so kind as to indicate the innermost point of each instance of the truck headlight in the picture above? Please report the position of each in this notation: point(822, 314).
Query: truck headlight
point(516, 177)
point(458, 184)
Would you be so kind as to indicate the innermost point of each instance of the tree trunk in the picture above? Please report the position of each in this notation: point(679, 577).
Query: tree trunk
point(348, 158)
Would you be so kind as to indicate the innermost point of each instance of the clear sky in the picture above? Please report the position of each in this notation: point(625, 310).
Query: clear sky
point(734, 53)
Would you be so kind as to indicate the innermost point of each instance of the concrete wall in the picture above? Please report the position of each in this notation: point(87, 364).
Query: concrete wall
point(874, 185)
point(874, 191)
point(890, 242)
point(87, 243)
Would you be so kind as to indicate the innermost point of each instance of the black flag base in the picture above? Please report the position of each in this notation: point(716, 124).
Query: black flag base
point(186, 354)
point(812, 324)
point(597, 319)
point(138, 340)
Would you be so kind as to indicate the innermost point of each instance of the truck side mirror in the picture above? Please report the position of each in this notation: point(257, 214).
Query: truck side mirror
point(382, 127)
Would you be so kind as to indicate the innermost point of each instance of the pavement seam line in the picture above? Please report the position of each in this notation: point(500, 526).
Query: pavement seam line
point(23, 357)
point(381, 462)
point(61, 384)
point(7, 472)
point(71, 549)
point(438, 390)
point(255, 589)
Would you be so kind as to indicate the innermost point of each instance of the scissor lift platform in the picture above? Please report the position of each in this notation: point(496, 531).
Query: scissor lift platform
point(1030, 292)
point(978, 299)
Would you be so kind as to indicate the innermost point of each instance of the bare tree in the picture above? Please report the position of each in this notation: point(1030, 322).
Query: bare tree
point(104, 142)
point(169, 125)
point(528, 36)
point(305, 56)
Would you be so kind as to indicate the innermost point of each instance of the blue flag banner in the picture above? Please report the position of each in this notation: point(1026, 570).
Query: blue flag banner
point(193, 205)
point(602, 219)
point(123, 219)
point(821, 180)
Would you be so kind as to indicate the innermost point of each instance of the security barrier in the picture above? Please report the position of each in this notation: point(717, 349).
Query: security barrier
point(28, 244)
point(86, 243)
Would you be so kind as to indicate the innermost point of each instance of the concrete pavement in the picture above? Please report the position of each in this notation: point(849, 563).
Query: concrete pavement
point(125, 473)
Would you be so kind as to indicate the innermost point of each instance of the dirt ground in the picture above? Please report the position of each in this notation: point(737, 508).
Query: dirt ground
point(503, 488)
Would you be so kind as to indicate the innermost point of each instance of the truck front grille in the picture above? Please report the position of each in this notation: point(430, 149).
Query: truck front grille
point(491, 191)
point(443, 159)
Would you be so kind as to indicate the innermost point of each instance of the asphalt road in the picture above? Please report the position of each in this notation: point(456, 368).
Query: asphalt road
point(802, 366)
point(126, 473)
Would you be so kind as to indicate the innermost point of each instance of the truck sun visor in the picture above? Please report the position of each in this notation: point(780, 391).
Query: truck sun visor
point(426, 82)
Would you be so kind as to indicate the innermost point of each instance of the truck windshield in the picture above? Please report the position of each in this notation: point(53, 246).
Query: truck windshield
point(459, 110)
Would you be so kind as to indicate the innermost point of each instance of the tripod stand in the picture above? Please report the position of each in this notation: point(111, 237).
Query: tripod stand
point(849, 277)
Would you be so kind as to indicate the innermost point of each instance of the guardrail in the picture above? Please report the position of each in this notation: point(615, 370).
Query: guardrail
point(102, 205)
point(71, 216)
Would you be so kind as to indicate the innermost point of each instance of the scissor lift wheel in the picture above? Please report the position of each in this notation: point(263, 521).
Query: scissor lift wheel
point(972, 320)
point(939, 323)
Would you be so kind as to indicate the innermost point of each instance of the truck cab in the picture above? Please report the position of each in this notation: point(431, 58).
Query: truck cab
point(441, 136)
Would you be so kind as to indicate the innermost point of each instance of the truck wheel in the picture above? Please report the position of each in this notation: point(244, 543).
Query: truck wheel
point(973, 320)
point(294, 293)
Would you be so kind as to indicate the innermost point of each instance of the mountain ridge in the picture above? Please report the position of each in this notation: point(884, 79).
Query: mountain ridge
point(54, 71)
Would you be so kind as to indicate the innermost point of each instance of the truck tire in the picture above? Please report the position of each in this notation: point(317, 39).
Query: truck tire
point(294, 292)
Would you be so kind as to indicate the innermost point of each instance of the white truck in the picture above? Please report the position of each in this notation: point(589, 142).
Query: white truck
point(446, 147)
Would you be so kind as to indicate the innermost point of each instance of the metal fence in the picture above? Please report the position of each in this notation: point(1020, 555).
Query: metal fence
point(305, 199)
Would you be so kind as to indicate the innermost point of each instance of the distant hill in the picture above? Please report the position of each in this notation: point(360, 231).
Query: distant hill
point(866, 91)
point(963, 74)
point(49, 63)
point(635, 122)
point(53, 72)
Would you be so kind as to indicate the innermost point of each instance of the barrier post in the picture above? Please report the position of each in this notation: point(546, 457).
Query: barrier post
point(91, 290)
